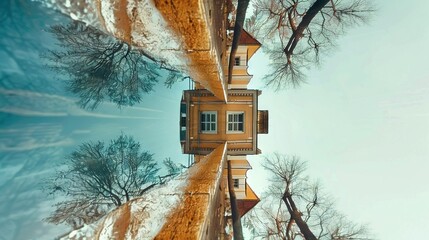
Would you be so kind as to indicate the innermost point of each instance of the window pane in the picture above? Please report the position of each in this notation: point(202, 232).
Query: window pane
point(236, 122)
point(208, 121)
point(236, 183)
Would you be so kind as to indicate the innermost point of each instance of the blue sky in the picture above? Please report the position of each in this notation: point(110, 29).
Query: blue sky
point(362, 121)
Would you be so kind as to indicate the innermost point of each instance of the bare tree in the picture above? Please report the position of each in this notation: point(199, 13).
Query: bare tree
point(295, 32)
point(77, 212)
point(96, 175)
point(172, 167)
point(296, 208)
point(101, 67)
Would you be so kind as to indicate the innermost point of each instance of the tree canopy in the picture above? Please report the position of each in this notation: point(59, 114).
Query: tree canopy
point(296, 32)
point(102, 68)
point(296, 207)
point(98, 174)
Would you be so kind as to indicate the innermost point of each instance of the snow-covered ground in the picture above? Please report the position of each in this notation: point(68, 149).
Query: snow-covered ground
point(188, 203)
point(179, 35)
point(147, 29)
point(140, 218)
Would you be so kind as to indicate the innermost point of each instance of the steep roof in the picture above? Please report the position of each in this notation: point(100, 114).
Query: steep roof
point(247, 39)
point(245, 205)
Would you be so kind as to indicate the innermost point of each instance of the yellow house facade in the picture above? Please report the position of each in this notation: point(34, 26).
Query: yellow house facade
point(210, 122)
point(246, 197)
point(247, 46)
point(207, 122)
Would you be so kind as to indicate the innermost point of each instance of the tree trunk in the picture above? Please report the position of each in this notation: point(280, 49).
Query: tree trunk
point(239, 22)
point(236, 221)
point(116, 200)
point(147, 188)
point(306, 20)
point(296, 216)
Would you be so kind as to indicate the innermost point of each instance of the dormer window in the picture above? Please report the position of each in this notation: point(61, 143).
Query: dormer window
point(236, 183)
point(237, 61)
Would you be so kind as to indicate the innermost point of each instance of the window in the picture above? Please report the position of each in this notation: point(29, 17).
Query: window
point(236, 122)
point(208, 121)
point(237, 61)
point(236, 183)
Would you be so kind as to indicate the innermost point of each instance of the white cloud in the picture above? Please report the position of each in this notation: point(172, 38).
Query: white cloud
point(31, 94)
point(102, 115)
point(81, 131)
point(35, 104)
point(32, 113)
point(30, 145)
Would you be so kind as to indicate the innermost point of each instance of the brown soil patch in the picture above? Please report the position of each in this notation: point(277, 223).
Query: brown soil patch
point(138, 218)
point(121, 224)
point(123, 21)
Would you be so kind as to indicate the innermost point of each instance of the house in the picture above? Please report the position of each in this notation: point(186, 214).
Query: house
point(207, 122)
point(246, 197)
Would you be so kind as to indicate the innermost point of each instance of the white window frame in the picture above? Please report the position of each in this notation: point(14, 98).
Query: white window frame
point(208, 113)
point(234, 122)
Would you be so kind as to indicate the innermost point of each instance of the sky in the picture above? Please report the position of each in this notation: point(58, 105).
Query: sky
point(362, 121)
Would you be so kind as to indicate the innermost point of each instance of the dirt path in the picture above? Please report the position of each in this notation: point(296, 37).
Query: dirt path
point(200, 213)
point(201, 24)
